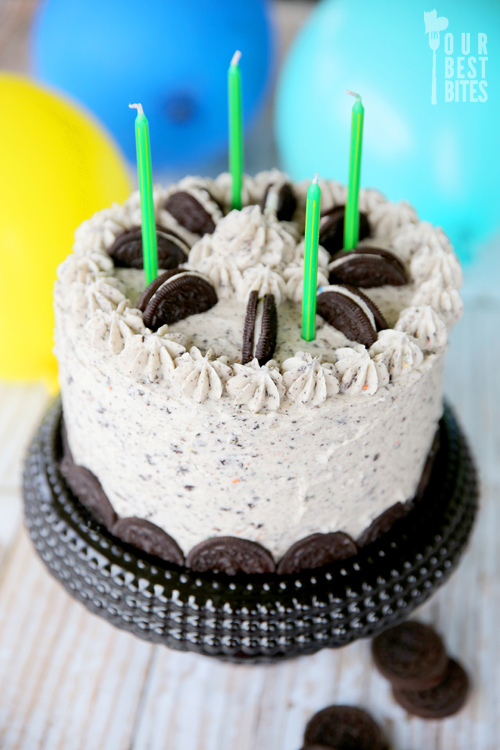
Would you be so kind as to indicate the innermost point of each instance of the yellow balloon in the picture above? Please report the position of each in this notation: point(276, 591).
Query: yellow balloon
point(57, 167)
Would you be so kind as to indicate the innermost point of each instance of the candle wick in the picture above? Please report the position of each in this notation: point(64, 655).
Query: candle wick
point(138, 107)
point(315, 178)
point(236, 57)
point(352, 93)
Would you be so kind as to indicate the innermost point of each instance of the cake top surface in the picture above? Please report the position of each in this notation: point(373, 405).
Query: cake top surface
point(240, 274)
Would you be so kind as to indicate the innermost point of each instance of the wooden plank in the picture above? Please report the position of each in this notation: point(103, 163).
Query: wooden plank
point(68, 680)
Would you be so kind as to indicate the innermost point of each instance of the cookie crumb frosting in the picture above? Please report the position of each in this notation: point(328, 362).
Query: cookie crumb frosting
point(297, 432)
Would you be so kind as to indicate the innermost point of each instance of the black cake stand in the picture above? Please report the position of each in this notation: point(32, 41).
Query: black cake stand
point(252, 618)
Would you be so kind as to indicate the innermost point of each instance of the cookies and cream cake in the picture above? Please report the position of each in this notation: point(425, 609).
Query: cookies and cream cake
point(199, 425)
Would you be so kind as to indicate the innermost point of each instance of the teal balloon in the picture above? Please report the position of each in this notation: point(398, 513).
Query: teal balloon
point(444, 158)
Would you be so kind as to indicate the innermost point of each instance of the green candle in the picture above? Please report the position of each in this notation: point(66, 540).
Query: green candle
point(311, 241)
point(235, 129)
point(149, 249)
point(351, 221)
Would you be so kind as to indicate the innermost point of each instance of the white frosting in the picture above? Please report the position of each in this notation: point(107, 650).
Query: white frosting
point(444, 300)
point(397, 351)
point(293, 275)
point(263, 280)
point(309, 381)
point(387, 218)
point(152, 359)
point(358, 374)
point(425, 325)
point(201, 444)
point(255, 387)
point(200, 377)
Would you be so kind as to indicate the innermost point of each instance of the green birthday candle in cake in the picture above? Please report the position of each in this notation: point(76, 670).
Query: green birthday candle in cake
point(235, 130)
point(311, 241)
point(351, 220)
point(144, 173)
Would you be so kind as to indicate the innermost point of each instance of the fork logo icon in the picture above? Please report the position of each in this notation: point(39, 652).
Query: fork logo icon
point(433, 27)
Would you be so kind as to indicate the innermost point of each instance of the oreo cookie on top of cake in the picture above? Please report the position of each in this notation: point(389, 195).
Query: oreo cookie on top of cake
point(198, 407)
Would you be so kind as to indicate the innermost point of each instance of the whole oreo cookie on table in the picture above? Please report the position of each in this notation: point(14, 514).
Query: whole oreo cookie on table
point(174, 295)
point(259, 341)
point(230, 555)
point(411, 656)
point(331, 229)
point(351, 312)
point(316, 550)
point(286, 202)
point(446, 699)
point(189, 213)
point(343, 728)
point(126, 250)
point(367, 267)
point(145, 535)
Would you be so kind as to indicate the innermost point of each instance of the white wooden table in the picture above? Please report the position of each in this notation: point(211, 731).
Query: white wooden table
point(70, 681)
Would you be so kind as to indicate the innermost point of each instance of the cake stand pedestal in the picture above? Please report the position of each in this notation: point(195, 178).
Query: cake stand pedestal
point(252, 618)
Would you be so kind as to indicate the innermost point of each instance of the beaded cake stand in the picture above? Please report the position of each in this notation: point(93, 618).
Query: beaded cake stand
point(252, 618)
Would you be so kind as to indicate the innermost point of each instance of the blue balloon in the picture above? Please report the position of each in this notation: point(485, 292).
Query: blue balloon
point(170, 55)
point(441, 157)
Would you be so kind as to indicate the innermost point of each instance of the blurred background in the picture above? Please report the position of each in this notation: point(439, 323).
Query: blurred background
point(69, 69)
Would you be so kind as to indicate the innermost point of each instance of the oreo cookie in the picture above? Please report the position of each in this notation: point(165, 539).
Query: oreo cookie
point(174, 295)
point(411, 656)
point(189, 213)
point(230, 555)
point(260, 329)
point(429, 465)
point(331, 229)
point(384, 522)
point(316, 550)
point(286, 203)
point(140, 533)
point(446, 699)
point(343, 728)
point(126, 250)
point(367, 267)
point(88, 490)
point(351, 312)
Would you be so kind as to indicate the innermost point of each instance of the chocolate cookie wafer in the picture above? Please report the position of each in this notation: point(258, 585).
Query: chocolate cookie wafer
point(351, 312)
point(446, 699)
point(331, 229)
point(343, 728)
point(126, 250)
point(230, 555)
point(189, 213)
point(286, 201)
point(411, 656)
point(260, 329)
point(150, 538)
point(88, 490)
point(174, 295)
point(316, 550)
point(367, 267)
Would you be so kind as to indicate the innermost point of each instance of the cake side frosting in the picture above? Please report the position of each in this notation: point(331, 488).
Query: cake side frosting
point(179, 431)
